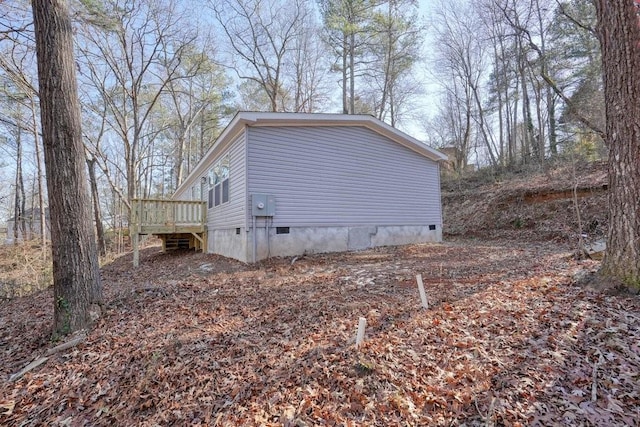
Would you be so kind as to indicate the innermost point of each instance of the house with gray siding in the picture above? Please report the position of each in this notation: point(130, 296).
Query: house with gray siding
point(281, 184)
point(30, 220)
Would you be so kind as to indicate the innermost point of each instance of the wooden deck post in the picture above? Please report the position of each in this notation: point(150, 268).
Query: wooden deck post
point(136, 250)
point(423, 294)
point(135, 230)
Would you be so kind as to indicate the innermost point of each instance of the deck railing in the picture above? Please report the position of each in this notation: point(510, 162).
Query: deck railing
point(154, 216)
point(165, 218)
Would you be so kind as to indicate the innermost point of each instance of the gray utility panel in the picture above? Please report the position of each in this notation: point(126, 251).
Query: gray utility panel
point(263, 205)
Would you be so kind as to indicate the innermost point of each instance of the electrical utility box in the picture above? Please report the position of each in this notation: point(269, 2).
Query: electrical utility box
point(263, 205)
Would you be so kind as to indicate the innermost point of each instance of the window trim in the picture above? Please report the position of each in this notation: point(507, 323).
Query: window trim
point(218, 179)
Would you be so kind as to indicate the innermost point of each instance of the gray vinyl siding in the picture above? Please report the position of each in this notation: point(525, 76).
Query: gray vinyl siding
point(232, 214)
point(341, 176)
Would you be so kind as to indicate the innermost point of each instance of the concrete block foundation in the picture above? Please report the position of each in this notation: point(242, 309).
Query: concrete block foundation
point(293, 241)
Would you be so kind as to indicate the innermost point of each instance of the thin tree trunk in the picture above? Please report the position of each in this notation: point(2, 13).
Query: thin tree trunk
point(551, 120)
point(509, 129)
point(481, 123)
point(392, 107)
point(273, 96)
point(16, 206)
point(32, 208)
point(352, 73)
point(19, 229)
point(345, 86)
point(540, 140)
point(501, 154)
point(513, 135)
point(97, 213)
point(149, 172)
point(23, 198)
point(76, 279)
point(466, 138)
point(201, 147)
point(179, 168)
point(387, 65)
point(43, 211)
point(526, 113)
point(553, 132)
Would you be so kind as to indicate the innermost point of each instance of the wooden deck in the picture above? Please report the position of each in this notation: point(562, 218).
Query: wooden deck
point(171, 220)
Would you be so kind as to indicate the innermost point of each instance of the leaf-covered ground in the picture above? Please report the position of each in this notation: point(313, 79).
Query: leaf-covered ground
point(193, 339)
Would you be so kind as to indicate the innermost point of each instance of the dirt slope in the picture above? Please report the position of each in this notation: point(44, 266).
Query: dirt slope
point(532, 205)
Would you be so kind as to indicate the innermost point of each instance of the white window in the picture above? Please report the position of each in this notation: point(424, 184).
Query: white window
point(224, 179)
point(219, 182)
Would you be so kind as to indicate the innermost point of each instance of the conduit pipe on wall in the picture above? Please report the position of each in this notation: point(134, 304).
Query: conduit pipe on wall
point(268, 223)
point(255, 240)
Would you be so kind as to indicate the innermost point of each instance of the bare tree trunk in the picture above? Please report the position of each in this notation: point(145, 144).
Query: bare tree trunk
point(23, 200)
point(620, 42)
point(95, 198)
point(513, 135)
point(551, 111)
point(23, 207)
point(16, 206)
point(273, 97)
point(539, 139)
point(148, 179)
point(19, 208)
point(76, 279)
point(501, 153)
point(299, 72)
point(392, 107)
point(201, 146)
point(510, 126)
point(462, 161)
point(181, 145)
point(388, 49)
point(345, 56)
point(526, 108)
point(32, 208)
point(352, 73)
point(43, 212)
point(487, 140)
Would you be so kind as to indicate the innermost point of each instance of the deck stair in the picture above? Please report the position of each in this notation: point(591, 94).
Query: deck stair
point(177, 241)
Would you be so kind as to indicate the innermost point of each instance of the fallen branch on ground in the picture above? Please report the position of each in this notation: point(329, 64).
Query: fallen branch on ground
point(40, 360)
point(66, 345)
point(28, 368)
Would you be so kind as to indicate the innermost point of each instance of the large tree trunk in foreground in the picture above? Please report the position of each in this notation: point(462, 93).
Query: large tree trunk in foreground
point(619, 38)
point(76, 279)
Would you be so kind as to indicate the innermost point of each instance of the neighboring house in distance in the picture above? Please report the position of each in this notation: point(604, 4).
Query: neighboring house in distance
point(310, 183)
point(32, 224)
point(456, 162)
